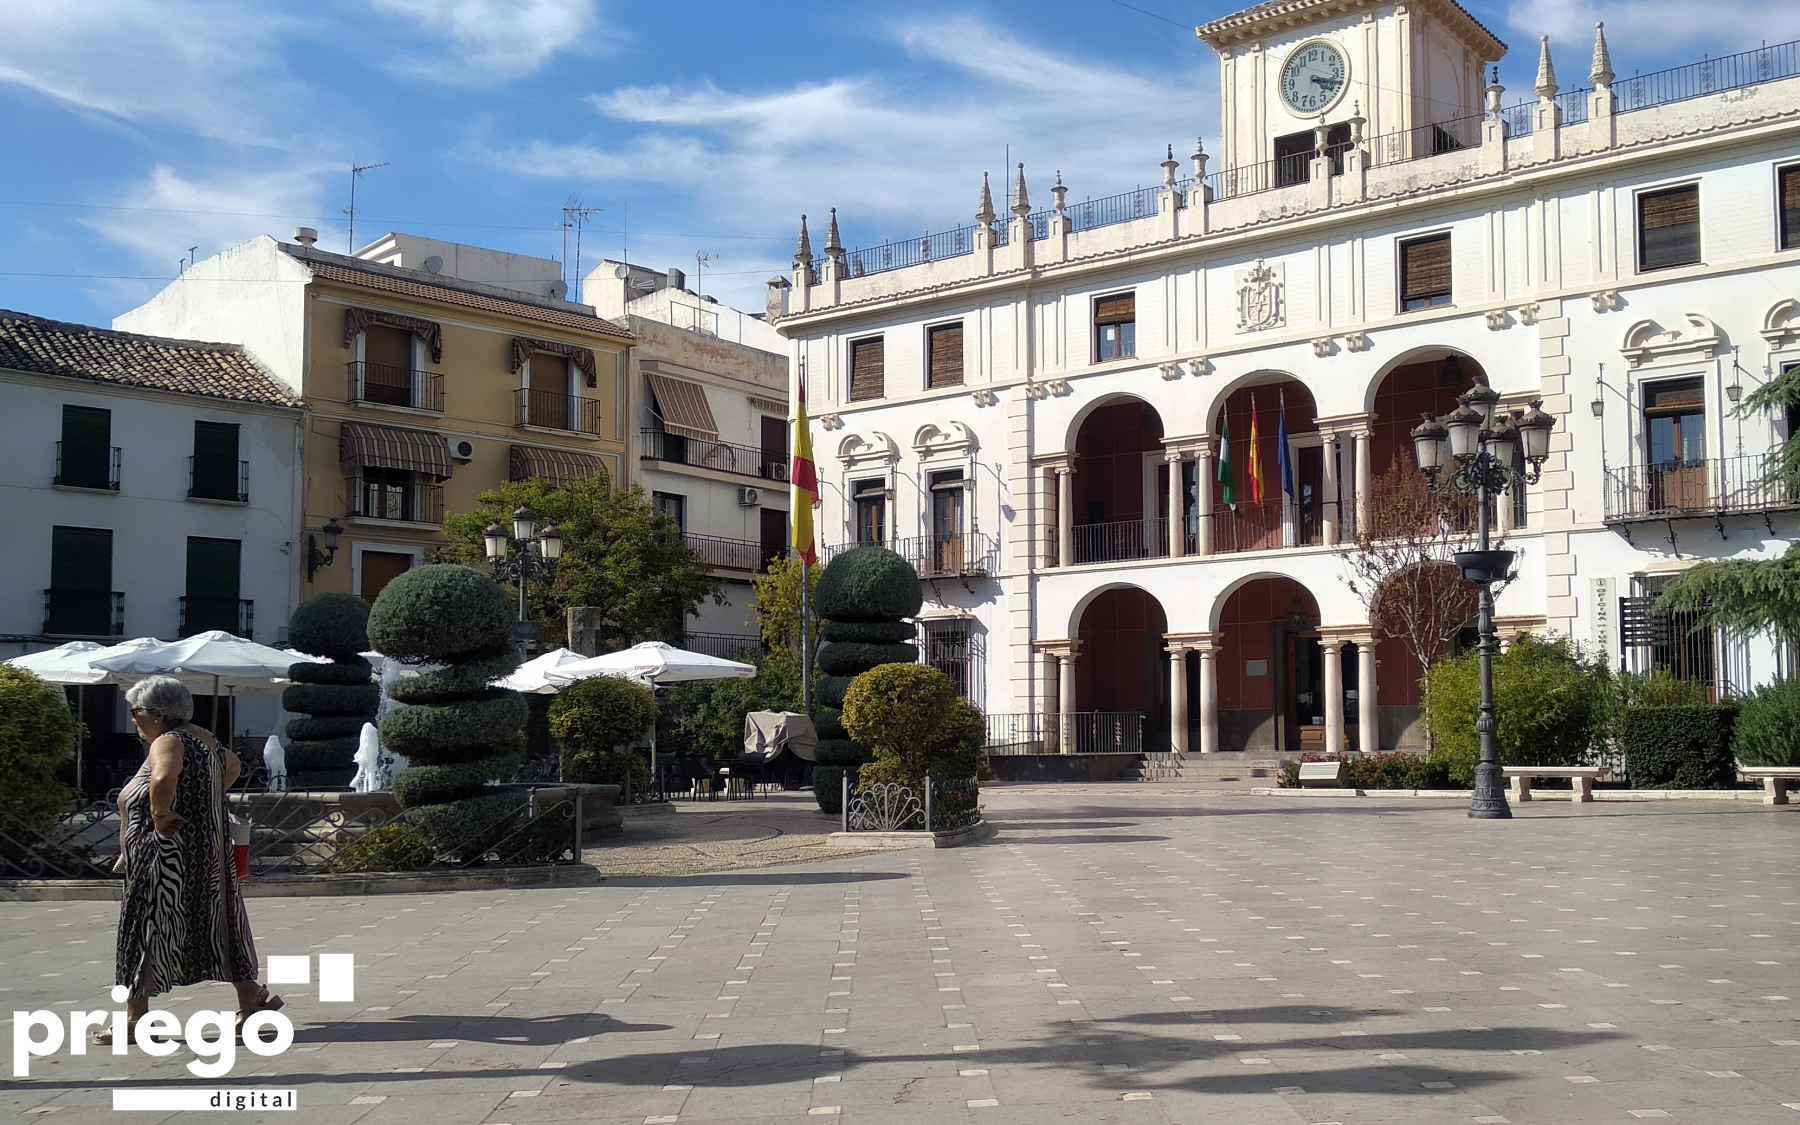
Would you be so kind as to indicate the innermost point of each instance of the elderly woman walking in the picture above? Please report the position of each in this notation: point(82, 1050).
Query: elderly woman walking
point(181, 919)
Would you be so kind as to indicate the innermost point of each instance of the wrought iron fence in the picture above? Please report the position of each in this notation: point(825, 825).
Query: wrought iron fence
point(727, 554)
point(384, 384)
point(1700, 487)
point(1119, 541)
point(706, 453)
point(1516, 120)
point(1708, 76)
point(939, 556)
point(403, 501)
point(1108, 210)
point(218, 478)
point(84, 613)
point(938, 805)
point(87, 466)
point(81, 842)
point(1080, 732)
point(1574, 105)
point(1423, 141)
point(200, 612)
point(1267, 175)
point(727, 646)
point(557, 410)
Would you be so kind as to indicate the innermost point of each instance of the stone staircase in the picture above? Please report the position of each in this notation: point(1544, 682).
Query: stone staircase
point(1237, 771)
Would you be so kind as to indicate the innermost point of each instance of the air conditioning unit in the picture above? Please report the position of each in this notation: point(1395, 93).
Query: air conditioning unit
point(462, 449)
point(749, 497)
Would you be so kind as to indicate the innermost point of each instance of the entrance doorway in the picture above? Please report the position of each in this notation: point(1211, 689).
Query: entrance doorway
point(1270, 670)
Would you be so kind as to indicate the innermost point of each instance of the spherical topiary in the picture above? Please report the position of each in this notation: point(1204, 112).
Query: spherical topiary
point(469, 674)
point(335, 626)
point(847, 658)
point(869, 584)
point(433, 614)
point(356, 670)
point(868, 632)
point(455, 731)
point(332, 699)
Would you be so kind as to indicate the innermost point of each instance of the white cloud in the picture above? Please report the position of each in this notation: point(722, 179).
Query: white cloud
point(205, 66)
point(495, 41)
point(1648, 29)
point(166, 211)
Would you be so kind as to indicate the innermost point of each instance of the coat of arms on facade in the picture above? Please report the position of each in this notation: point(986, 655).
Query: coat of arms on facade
point(1260, 298)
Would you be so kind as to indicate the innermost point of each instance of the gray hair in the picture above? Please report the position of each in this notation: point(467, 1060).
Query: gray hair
point(163, 696)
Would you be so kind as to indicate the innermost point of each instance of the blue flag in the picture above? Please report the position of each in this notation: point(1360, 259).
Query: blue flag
point(1281, 452)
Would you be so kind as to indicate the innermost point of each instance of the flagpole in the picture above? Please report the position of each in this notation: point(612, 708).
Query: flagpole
point(805, 642)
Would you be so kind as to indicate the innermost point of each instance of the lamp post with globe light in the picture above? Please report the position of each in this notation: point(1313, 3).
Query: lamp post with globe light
point(537, 556)
point(1461, 454)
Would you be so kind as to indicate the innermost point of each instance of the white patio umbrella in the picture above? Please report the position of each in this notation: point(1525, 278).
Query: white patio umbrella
point(533, 676)
point(64, 664)
point(653, 663)
point(215, 656)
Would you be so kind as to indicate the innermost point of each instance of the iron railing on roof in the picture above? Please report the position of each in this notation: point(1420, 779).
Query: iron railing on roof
point(1708, 76)
point(1138, 203)
point(1422, 141)
point(1574, 105)
point(1516, 120)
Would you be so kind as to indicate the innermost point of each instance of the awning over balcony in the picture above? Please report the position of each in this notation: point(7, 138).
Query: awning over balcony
point(555, 467)
point(363, 446)
point(683, 408)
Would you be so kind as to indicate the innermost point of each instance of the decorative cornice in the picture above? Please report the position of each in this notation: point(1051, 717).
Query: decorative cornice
point(1284, 15)
point(1649, 342)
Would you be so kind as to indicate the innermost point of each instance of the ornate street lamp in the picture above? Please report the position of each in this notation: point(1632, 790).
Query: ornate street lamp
point(317, 559)
point(537, 556)
point(1466, 453)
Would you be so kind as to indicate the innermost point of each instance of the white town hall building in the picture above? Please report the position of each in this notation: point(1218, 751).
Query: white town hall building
point(1034, 408)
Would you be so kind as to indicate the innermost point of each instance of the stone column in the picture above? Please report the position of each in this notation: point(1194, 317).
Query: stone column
point(1177, 512)
point(1065, 696)
point(1368, 729)
point(1329, 485)
point(1209, 698)
point(1330, 648)
point(1065, 515)
point(1362, 481)
point(1052, 702)
point(1178, 712)
point(1203, 470)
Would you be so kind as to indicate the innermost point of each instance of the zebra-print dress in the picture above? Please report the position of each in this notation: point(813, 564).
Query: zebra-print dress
point(181, 919)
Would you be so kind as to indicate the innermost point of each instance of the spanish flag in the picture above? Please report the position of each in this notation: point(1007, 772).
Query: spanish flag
point(805, 481)
point(1256, 475)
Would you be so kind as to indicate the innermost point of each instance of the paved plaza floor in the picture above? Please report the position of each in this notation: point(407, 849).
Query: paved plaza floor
point(1116, 954)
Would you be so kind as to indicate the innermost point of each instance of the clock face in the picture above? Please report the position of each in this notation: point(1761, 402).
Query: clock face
point(1314, 77)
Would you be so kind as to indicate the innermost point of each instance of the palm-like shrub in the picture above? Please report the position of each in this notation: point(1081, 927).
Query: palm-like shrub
point(334, 698)
point(864, 597)
point(458, 732)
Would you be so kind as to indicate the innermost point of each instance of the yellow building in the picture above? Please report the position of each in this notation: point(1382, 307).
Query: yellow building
point(422, 388)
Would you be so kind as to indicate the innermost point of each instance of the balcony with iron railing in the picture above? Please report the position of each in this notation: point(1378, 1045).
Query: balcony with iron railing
point(84, 613)
point(1743, 485)
point(1462, 135)
point(557, 410)
point(951, 556)
point(721, 553)
point(201, 612)
point(218, 478)
point(709, 453)
point(1081, 732)
point(745, 648)
point(384, 384)
point(79, 465)
point(391, 501)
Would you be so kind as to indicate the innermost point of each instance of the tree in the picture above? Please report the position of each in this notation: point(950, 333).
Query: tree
point(866, 596)
point(38, 737)
point(1751, 595)
point(778, 607)
point(620, 556)
point(1403, 565)
point(333, 697)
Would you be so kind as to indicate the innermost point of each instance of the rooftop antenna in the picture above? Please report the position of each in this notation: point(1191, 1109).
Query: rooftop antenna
point(701, 257)
point(356, 172)
point(574, 215)
point(189, 260)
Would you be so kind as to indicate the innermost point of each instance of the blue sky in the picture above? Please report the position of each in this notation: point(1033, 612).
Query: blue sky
point(139, 128)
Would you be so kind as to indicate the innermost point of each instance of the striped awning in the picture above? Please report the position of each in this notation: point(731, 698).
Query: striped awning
point(683, 407)
point(555, 467)
point(389, 447)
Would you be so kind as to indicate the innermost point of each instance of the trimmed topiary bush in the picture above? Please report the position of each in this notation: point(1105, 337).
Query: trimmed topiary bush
point(1681, 747)
point(457, 732)
point(396, 846)
point(38, 740)
point(847, 658)
point(868, 632)
point(601, 714)
point(333, 699)
point(1768, 726)
point(916, 725)
point(869, 584)
point(625, 768)
point(1551, 705)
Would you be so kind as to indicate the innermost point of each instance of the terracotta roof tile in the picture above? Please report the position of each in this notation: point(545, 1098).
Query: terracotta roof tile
point(82, 351)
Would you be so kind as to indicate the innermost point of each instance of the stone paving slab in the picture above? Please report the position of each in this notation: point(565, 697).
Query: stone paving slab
point(1117, 954)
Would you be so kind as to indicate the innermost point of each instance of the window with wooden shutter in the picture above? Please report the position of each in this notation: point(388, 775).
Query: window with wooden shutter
point(215, 473)
point(84, 457)
point(868, 368)
point(1669, 228)
point(1425, 272)
point(1788, 189)
point(1115, 327)
point(944, 355)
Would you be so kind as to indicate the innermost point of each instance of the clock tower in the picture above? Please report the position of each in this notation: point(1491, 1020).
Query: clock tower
point(1287, 66)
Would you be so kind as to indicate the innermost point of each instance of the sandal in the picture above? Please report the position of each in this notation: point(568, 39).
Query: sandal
point(267, 1002)
point(104, 1037)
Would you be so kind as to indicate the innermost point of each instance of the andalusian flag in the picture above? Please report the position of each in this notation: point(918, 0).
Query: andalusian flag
point(1256, 476)
point(1224, 473)
point(805, 480)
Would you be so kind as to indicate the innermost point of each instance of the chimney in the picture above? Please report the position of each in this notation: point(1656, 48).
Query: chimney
point(676, 279)
point(306, 236)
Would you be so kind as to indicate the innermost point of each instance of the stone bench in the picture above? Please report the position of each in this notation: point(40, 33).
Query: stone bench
point(1774, 780)
point(1581, 779)
point(1320, 773)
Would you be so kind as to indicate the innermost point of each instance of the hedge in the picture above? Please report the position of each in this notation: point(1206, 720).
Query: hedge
point(828, 789)
point(446, 729)
point(1549, 701)
point(1768, 726)
point(355, 671)
point(869, 584)
point(38, 738)
point(335, 626)
point(332, 699)
point(469, 675)
point(1680, 747)
point(869, 632)
point(607, 767)
point(431, 785)
point(1390, 770)
point(433, 614)
point(466, 831)
point(395, 846)
point(848, 658)
point(313, 729)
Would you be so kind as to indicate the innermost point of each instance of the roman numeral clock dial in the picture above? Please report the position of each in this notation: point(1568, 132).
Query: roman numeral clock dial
point(1314, 77)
